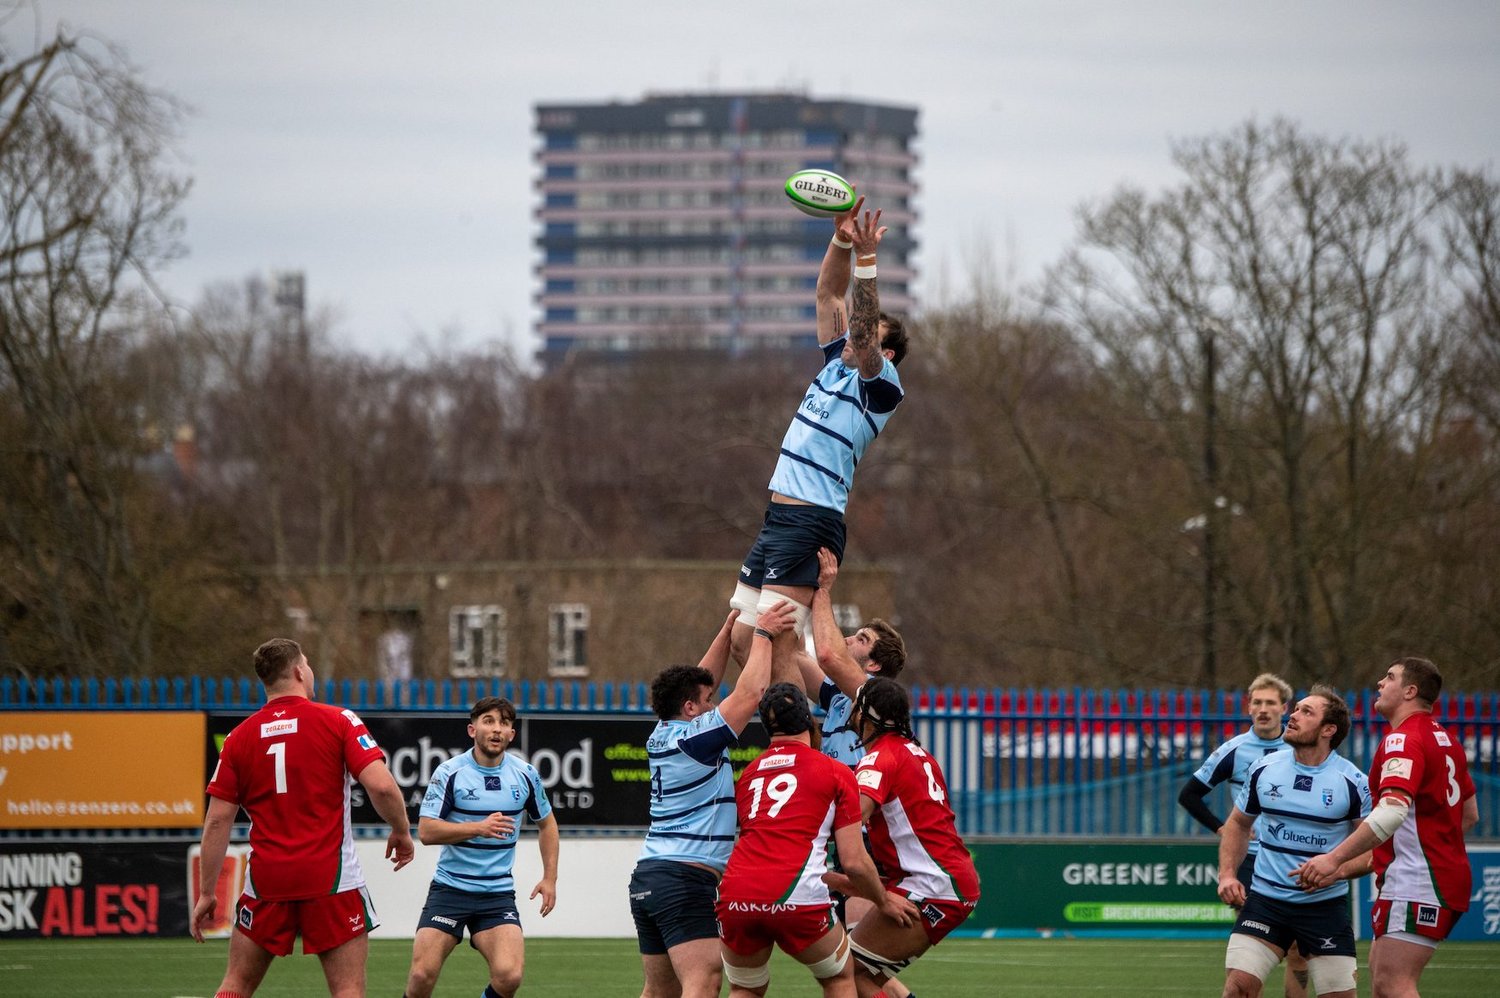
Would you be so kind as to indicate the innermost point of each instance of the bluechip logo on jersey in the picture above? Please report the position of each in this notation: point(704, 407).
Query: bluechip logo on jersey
point(1279, 831)
point(1302, 782)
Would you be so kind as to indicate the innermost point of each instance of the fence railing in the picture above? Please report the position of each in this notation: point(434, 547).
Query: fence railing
point(1022, 763)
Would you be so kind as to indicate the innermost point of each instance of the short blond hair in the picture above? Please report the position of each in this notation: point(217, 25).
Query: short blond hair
point(1269, 680)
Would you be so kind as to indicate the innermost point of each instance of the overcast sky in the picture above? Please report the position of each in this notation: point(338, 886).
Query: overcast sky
point(386, 148)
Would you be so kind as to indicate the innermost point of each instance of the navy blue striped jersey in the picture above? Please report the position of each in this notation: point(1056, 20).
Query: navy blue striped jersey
point(1301, 812)
point(692, 791)
point(838, 418)
point(840, 742)
point(463, 790)
point(1230, 763)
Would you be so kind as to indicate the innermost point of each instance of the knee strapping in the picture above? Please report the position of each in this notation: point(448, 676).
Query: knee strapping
point(769, 599)
point(745, 600)
point(1331, 973)
point(876, 965)
point(832, 965)
point(1249, 955)
point(748, 977)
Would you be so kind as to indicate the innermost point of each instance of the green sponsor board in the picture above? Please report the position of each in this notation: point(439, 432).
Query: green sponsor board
point(1098, 888)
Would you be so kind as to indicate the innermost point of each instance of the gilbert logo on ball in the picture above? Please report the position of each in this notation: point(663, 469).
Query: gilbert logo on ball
point(820, 193)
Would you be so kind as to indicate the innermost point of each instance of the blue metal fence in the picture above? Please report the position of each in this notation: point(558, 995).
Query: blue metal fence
point(1020, 763)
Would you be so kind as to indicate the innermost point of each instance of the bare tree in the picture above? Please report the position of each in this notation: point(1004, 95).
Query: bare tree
point(1274, 312)
point(89, 209)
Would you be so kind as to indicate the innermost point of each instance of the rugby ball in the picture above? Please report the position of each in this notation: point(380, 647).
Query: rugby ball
point(820, 193)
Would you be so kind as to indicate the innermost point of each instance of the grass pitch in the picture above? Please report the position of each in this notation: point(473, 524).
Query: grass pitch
point(570, 968)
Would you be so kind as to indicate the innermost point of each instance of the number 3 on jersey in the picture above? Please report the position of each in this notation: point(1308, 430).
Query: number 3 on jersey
point(779, 790)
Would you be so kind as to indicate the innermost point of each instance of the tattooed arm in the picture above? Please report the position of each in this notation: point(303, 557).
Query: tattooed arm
point(864, 315)
point(833, 282)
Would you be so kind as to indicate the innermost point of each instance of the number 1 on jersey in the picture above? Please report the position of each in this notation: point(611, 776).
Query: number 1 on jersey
point(277, 751)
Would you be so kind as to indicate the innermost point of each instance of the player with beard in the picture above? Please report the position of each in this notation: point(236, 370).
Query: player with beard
point(1266, 701)
point(1298, 801)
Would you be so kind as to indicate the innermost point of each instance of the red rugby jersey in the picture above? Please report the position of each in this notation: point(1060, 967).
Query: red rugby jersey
point(1425, 860)
point(790, 800)
point(912, 833)
point(290, 766)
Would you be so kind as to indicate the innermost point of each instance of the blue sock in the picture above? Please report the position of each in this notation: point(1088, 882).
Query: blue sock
point(490, 992)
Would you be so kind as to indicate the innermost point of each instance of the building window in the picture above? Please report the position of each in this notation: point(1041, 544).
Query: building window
point(567, 639)
point(476, 638)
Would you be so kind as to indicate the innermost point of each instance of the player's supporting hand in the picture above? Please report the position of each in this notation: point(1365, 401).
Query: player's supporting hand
point(777, 619)
point(1231, 891)
point(203, 910)
point(400, 849)
point(900, 909)
point(548, 890)
point(828, 568)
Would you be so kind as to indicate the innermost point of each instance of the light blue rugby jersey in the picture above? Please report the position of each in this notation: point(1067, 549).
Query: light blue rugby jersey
point(1231, 763)
point(692, 791)
point(1301, 812)
point(463, 790)
point(840, 742)
point(839, 416)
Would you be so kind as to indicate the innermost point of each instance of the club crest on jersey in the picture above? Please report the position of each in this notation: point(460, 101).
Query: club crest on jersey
point(1302, 782)
point(1327, 797)
point(273, 729)
point(1395, 743)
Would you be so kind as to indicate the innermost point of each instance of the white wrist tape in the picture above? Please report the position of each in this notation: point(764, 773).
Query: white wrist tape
point(842, 243)
point(1387, 816)
point(864, 273)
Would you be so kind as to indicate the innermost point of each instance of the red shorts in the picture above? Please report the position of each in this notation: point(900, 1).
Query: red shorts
point(748, 927)
point(324, 922)
point(1430, 921)
point(941, 917)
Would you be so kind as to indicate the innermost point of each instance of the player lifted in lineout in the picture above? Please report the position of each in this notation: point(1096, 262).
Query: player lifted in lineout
point(843, 410)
